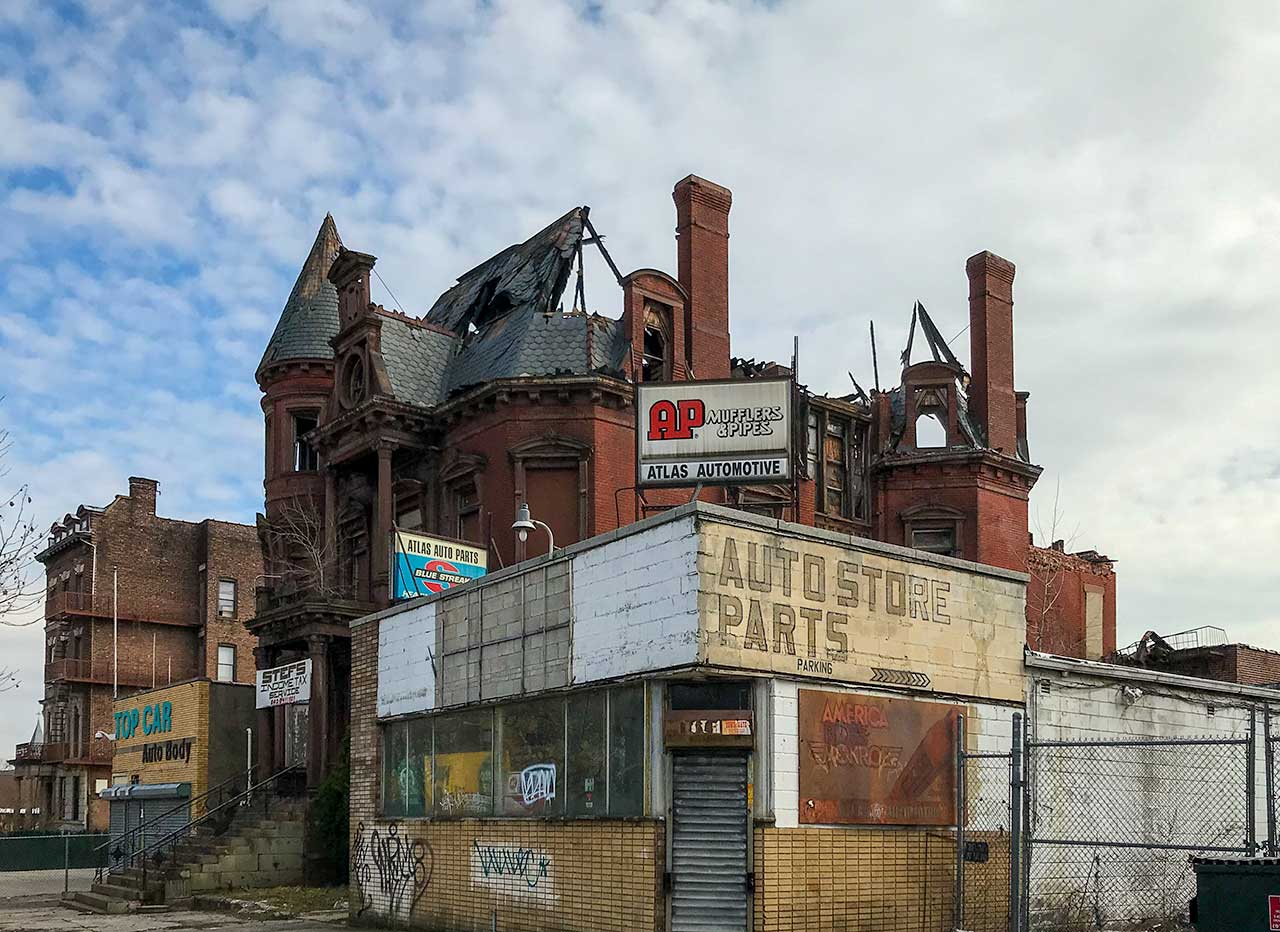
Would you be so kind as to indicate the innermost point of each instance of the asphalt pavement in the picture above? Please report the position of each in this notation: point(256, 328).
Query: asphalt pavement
point(29, 902)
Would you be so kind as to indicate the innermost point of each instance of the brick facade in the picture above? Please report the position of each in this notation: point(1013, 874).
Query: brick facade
point(165, 573)
point(1071, 603)
point(446, 423)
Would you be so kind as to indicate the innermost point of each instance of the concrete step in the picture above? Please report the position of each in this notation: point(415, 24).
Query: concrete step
point(98, 903)
point(118, 892)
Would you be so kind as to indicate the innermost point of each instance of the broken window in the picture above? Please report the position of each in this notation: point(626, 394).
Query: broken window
point(654, 359)
point(930, 434)
point(226, 598)
point(932, 414)
point(835, 471)
point(467, 509)
point(305, 456)
point(941, 540)
point(841, 479)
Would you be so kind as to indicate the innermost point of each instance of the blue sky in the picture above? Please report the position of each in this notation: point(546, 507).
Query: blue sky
point(164, 167)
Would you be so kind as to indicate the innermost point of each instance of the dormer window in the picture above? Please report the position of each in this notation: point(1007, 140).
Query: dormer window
point(655, 358)
point(353, 381)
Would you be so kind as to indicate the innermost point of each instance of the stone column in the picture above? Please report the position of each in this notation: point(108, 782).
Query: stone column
point(318, 713)
point(265, 763)
point(331, 527)
point(380, 544)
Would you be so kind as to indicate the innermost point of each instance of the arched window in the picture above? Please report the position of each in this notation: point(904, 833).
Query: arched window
point(929, 432)
point(656, 352)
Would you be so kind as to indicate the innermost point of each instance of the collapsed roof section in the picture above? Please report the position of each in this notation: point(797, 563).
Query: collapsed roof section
point(503, 319)
point(528, 277)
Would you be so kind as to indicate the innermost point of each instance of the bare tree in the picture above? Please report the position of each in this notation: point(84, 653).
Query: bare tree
point(1047, 569)
point(19, 542)
point(299, 551)
point(8, 679)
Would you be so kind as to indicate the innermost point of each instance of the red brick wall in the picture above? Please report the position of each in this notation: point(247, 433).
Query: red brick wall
point(231, 551)
point(1056, 602)
point(994, 529)
point(702, 251)
point(167, 572)
point(1255, 666)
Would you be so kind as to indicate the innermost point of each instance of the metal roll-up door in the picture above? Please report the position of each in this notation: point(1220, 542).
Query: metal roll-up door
point(709, 843)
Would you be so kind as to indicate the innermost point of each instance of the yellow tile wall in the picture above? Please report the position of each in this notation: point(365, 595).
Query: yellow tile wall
point(872, 880)
point(601, 876)
point(190, 717)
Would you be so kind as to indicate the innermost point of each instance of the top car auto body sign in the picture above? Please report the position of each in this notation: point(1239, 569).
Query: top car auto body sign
point(734, 432)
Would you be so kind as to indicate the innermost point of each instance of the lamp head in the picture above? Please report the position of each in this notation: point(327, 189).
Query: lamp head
point(523, 523)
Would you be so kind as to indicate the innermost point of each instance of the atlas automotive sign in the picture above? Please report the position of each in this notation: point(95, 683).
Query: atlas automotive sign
point(735, 432)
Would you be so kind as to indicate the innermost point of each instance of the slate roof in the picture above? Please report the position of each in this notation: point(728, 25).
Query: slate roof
point(503, 319)
point(529, 276)
point(310, 316)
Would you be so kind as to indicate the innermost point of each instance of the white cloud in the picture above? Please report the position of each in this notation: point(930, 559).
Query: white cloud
point(167, 170)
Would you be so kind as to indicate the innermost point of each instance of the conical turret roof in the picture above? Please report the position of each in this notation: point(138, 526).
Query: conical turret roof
point(310, 316)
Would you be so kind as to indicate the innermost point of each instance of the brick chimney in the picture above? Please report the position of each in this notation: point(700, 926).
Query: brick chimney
point(702, 245)
point(142, 494)
point(350, 274)
point(992, 401)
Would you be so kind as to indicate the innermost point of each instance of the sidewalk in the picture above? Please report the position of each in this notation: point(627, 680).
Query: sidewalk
point(42, 913)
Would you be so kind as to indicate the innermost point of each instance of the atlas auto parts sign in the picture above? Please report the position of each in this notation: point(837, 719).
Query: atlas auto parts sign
point(734, 432)
point(427, 565)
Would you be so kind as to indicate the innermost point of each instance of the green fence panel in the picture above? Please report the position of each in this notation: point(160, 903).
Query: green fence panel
point(50, 852)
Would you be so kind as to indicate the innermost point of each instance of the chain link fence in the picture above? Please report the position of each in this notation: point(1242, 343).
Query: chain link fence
point(1112, 825)
point(988, 845)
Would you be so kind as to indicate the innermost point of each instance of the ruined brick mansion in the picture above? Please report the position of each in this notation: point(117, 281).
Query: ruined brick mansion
point(498, 395)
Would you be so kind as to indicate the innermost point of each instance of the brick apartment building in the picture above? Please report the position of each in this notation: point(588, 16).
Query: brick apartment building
point(500, 395)
point(182, 594)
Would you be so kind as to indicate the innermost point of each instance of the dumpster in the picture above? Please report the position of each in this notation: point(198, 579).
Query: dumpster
point(1236, 895)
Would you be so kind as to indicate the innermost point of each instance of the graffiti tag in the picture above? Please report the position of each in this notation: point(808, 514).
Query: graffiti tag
point(402, 866)
point(538, 782)
point(510, 868)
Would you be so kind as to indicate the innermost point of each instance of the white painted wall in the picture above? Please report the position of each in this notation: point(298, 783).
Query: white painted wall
point(1183, 796)
point(406, 671)
point(635, 603)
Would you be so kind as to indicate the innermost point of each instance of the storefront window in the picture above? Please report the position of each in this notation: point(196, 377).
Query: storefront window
point(584, 780)
point(394, 748)
point(418, 769)
point(626, 751)
point(579, 756)
point(463, 773)
point(531, 763)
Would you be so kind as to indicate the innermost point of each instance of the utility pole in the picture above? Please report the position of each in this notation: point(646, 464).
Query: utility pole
point(115, 635)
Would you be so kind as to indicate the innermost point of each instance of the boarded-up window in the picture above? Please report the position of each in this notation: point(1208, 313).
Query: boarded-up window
point(467, 509)
point(552, 494)
point(1093, 604)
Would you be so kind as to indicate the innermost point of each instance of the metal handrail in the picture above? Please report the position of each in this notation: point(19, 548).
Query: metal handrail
point(130, 835)
point(156, 849)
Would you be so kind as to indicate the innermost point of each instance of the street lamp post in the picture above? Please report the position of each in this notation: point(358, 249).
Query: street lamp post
point(525, 523)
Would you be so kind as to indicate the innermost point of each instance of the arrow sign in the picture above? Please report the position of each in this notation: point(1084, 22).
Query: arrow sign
point(900, 678)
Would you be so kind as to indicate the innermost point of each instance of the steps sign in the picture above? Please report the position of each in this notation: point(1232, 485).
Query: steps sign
point(284, 685)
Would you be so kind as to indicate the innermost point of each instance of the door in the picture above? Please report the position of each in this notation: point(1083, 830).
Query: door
point(709, 842)
point(297, 734)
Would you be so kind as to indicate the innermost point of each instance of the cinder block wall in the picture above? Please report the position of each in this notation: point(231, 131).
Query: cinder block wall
point(462, 874)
